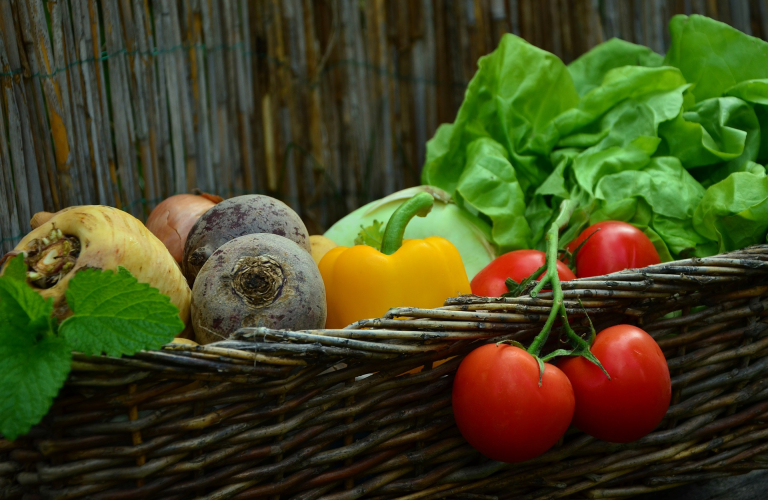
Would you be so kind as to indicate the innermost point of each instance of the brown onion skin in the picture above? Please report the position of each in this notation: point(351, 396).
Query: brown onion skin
point(172, 219)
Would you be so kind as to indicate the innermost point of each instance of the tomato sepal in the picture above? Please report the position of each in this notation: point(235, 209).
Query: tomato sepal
point(512, 342)
point(571, 256)
point(555, 354)
point(517, 289)
point(541, 368)
point(584, 352)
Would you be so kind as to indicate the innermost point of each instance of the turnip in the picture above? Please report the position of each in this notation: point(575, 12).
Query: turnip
point(257, 280)
point(238, 216)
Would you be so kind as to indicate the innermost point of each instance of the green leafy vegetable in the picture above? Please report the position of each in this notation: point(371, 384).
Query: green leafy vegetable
point(734, 212)
point(672, 145)
point(116, 315)
point(588, 70)
point(755, 92)
point(721, 133)
point(489, 185)
point(517, 92)
point(113, 313)
point(713, 55)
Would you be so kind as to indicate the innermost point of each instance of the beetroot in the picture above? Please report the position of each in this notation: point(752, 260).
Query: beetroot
point(257, 280)
point(238, 216)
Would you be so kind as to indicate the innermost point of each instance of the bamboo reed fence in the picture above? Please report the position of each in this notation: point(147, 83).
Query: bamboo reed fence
point(324, 104)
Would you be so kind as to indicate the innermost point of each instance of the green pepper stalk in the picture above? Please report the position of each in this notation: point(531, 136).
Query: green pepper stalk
point(420, 205)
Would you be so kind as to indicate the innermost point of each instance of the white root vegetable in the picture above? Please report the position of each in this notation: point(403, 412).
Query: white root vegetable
point(103, 238)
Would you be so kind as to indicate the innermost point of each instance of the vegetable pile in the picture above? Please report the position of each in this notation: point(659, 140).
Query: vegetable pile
point(674, 145)
point(635, 157)
point(95, 280)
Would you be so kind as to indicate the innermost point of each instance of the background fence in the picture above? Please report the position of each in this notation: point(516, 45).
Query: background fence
point(325, 104)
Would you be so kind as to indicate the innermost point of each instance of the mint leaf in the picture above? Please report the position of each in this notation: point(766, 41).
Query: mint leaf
point(21, 308)
point(33, 372)
point(116, 314)
point(371, 235)
point(16, 269)
point(34, 363)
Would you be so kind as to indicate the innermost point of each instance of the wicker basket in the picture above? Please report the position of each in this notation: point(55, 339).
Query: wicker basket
point(334, 415)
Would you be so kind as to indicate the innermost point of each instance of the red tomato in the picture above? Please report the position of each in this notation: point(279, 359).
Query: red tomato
point(615, 247)
point(518, 265)
point(500, 408)
point(632, 403)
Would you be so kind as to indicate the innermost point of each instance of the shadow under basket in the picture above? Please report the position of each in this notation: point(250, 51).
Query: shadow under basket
point(366, 411)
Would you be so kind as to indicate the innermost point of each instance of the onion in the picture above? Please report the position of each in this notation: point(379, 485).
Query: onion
point(172, 219)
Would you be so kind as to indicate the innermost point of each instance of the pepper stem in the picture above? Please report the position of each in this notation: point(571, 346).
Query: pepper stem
point(420, 205)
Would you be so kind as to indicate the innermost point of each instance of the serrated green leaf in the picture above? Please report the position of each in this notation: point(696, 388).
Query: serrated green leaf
point(116, 315)
point(16, 269)
point(21, 308)
point(371, 235)
point(33, 372)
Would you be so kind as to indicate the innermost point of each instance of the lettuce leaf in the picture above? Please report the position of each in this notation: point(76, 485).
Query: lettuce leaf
point(755, 92)
point(734, 212)
point(588, 70)
point(723, 132)
point(713, 55)
point(517, 91)
point(673, 145)
point(489, 184)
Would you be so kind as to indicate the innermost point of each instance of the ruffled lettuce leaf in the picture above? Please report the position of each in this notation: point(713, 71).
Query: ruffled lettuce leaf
point(713, 55)
point(589, 70)
point(673, 145)
point(755, 92)
point(490, 186)
point(719, 136)
point(734, 212)
point(516, 93)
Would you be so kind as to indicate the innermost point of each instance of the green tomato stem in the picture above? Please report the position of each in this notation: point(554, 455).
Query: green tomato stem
point(420, 205)
point(551, 276)
point(580, 346)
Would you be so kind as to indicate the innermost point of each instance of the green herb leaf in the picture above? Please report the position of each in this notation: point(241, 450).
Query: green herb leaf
point(371, 235)
point(33, 362)
point(16, 269)
point(33, 372)
point(21, 308)
point(117, 315)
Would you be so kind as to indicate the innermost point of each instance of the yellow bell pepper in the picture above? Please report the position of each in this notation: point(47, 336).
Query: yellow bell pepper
point(362, 282)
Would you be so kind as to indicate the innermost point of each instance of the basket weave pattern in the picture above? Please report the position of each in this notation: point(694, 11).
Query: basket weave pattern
point(334, 414)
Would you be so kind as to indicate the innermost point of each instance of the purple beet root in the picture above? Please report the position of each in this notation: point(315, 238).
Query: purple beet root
point(238, 216)
point(257, 280)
